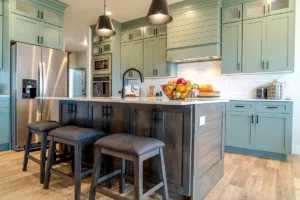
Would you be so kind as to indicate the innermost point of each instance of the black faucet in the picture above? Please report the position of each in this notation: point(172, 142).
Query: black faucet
point(123, 80)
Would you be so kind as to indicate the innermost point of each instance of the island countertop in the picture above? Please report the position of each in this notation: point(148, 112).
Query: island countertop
point(138, 100)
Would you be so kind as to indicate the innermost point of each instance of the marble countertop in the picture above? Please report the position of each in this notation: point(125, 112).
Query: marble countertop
point(139, 100)
point(270, 100)
point(4, 96)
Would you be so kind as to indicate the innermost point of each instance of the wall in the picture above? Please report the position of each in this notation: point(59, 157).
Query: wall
point(81, 59)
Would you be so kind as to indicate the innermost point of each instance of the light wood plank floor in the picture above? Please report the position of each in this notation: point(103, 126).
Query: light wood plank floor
point(245, 178)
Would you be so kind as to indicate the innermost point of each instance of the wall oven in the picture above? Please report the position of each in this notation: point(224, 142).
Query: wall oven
point(102, 64)
point(102, 86)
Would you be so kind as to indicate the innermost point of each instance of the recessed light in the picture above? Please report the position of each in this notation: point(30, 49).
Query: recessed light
point(108, 13)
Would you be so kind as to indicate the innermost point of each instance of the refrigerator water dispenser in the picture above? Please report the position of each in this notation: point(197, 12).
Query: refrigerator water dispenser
point(29, 89)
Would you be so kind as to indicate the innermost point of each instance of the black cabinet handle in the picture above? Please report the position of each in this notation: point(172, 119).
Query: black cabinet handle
point(38, 14)
point(239, 14)
point(69, 108)
point(240, 106)
point(154, 114)
point(272, 107)
point(257, 119)
point(42, 40)
point(252, 119)
point(103, 111)
point(42, 14)
point(38, 39)
point(74, 109)
point(156, 31)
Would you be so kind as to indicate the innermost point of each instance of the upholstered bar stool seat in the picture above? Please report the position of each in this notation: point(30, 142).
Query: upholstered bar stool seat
point(132, 148)
point(41, 128)
point(76, 137)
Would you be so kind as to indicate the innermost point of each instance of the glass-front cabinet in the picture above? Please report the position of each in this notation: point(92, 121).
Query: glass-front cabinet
point(232, 14)
point(260, 8)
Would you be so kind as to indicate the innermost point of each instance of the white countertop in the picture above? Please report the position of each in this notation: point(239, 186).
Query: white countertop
point(270, 100)
point(4, 96)
point(139, 100)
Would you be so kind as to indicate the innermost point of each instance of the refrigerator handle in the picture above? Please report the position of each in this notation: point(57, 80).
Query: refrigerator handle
point(40, 88)
point(43, 86)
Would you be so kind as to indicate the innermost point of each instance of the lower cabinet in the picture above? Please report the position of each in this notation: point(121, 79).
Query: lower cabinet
point(1, 42)
point(5, 136)
point(267, 126)
point(74, 113)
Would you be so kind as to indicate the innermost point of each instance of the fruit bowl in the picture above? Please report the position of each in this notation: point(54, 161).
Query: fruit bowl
point(177, 90)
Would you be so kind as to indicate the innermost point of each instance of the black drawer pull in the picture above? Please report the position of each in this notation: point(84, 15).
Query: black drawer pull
point(252, 119)
point(272, 107)
point(240, 106)
point(257, 119)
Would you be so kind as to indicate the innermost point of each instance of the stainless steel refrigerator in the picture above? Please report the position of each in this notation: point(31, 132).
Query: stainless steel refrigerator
point(35, 71)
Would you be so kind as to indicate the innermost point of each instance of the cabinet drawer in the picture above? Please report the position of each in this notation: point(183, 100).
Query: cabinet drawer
point(274, 107)
point(4, 102)
point(241, 106)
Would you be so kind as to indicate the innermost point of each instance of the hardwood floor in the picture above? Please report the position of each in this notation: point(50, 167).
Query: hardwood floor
point(245, 178)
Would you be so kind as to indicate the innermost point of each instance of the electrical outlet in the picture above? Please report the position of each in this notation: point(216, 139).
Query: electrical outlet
point(202, 120)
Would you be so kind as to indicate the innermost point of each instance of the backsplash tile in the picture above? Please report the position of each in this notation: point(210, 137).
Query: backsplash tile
point(231, 86)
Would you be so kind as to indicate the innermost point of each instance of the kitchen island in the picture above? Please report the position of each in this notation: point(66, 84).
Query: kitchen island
point(193, 131)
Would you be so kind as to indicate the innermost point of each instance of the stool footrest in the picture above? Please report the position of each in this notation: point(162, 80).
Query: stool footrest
point(153, 190)
point(111, 195)
point(63, 175)
point(87, 172)
point(34, 159)
point(103, 178)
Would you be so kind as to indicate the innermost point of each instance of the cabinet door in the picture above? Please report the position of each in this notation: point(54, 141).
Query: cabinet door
point(52, 36)
point(255, 9)
point(280, 6)
point(232, 14)
point(254, 45)
point(52, 17)
point(161, 65)
point(240, 129)
point(126, 49)
point(25, 8)
point(136, 57)
point(161, 30)
point(65, 114)
point(1, 42)
point(280, 42)
point(174, 128)
point(25, 30)
point(232, 48)
point(149, 57)
point(1, 7)
point(5, 126)
point(81, 114)
point(97, 120)
point(137, 34)
point(118, 119)
point(126, 36)
point(149, 31)
point(273, 132)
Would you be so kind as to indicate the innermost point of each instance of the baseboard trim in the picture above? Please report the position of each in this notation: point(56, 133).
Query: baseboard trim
point(256, 153)
point(5, 147)
point(296, 149)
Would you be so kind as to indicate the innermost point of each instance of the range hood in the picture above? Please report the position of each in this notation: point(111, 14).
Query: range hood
point(195, 33)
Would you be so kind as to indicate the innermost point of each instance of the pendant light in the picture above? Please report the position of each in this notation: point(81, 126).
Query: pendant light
point(159, 12)
point(104, 25)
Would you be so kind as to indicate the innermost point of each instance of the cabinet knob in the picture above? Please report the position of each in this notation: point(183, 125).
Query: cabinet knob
point(42, 14)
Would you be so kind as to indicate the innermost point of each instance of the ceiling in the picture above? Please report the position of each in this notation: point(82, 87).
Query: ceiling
point(81, 14)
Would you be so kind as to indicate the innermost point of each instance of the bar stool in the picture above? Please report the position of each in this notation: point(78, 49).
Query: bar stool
point(76, 137)
point(42, 129)
point(132, 148)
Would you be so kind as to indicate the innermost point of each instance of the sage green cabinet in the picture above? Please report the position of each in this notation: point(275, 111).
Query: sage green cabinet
point(280, 43)
point(280, 6)
point(25, 8)
point(98, 39)
point(261, 126)
point(31, 31)
point(273, 132)
point(51, 36)
point(155, 57)
point(232, 48)
point(240, 129)
point(25, 29)
point(52, 16)
point(232, 14)
point(155, 30)
point(1, 7)
point(5, 136)
point(1, 42)
point(132, 57)
point(255, 9)
point(132, 34)
point(254, 45)
point(102, 48)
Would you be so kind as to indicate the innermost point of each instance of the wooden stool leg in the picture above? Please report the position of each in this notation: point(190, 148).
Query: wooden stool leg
point(138, 178)
point(122, 177)
point(78, 151)
point(27, 149)
point(43, 158)
point(96, 173)
point(164, 175)
point(49, 162)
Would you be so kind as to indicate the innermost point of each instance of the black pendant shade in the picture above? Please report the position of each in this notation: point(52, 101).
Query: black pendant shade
point(104, 25)
point(159, 12)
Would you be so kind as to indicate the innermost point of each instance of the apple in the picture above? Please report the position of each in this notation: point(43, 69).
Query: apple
point(181, 81)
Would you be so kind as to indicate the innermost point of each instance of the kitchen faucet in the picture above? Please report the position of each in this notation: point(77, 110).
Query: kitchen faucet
point(123, 80)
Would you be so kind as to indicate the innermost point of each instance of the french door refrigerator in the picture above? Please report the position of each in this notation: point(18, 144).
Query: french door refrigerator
point(35, 71)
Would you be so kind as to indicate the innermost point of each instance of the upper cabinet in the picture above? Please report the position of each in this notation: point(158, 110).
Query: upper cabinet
point(232, 13)
point(38, 22)
point(155, 30)
point(132, 35)
point(1, 7)
point(1, 42)
point(260, 8)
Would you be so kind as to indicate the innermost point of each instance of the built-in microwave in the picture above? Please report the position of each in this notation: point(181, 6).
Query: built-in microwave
point(102, 64)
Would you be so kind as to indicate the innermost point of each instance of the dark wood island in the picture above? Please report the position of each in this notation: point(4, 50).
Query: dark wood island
point(193, 131)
